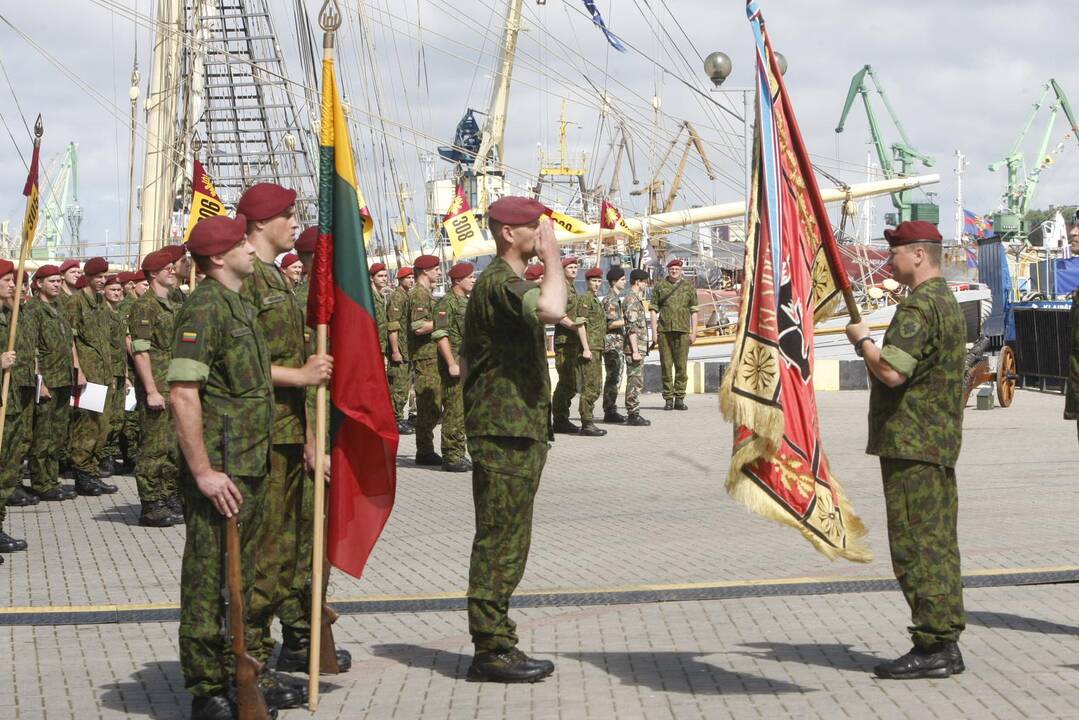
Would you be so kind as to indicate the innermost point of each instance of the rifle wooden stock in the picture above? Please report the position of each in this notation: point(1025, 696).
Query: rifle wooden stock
point(252, 705)
point(327, 649)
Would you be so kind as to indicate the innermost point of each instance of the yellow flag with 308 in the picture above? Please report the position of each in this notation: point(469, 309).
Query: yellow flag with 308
point(204, 199)
point(460, 223)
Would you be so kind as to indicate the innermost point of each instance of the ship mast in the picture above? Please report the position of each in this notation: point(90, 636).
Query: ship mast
point(491, 155)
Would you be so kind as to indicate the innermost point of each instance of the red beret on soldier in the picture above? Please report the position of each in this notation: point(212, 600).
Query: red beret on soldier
point(912, 231)
point(569, 260)
point(113, 280)
point(46, 271)
point(307, 240)
point(461, 270)
point(174, 252)
point(677, 262)
point(513, 210)
point(425, 262)
point(217, 235)
point(593, 273)
point(376, 268)
point(264, 200)
point(82, 282)
point(67, 265)
point(6, 266)
point(96, 266)
point(404, 272)
point(155, 261)
point(534, 271)
point(289, 259)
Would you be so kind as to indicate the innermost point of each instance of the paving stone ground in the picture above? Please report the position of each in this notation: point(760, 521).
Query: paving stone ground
point(641, 506)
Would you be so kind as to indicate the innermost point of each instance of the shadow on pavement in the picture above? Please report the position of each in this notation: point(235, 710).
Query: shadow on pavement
point(157, 691)
point(834, 655)
point(124, 514)
point(1008, 621)
point(450, 664)
point(682, 672)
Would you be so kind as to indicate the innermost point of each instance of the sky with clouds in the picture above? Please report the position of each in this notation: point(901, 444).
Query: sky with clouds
point(961, 75)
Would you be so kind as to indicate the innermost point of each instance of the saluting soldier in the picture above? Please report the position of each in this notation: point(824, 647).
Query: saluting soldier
point(422, 353)
point(448, 335)
point(18, 405)
point(283, 568)
point(1071, 402)
point(400, 367)
point(153, 330)
point(58, 364)
point(636, 345)
point(91, 326)
point(113, 295)
point(590, 310)
point(219, 377)
point(508, 423)
point(674, 303)
point(614, 343)
point(569, 342)
point(916, 429)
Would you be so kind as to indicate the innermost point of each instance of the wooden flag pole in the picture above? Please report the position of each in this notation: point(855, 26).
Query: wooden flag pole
point(29, 224)
point(319, 545)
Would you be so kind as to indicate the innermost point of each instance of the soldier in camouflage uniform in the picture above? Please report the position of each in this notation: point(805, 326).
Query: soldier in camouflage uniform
point(220, 382)
point(54, 346)
point(508, 424)
point(613, 344)
point(915, 427)
point(1071, 402)
point(71, 272)
point(636, 346)
point(91, 325)
point(423, 353)
point(18, 405)
point(283, 568)
point(113, 295)
point(569, 340)
point(380, 279)
point(674, 304)
point(153, 330)
point(400, 367)
point(448, 335)
point(134, 287)
point(590, 310)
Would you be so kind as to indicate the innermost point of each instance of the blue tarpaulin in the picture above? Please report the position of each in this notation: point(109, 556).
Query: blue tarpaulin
point(1066, 276)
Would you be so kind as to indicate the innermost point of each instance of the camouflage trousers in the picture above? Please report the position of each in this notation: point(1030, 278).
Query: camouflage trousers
point(89, 434)
point(283, 566)
point(400, 378)
point(18, 435)
point(51, 424)
point(428, 403)
point(591, 386)
point(116, 418)
point(157, 471)
point(205, 657)
point(673, 357)
point(634, 384)
point(131, 436)
point(921, 501)
point(505, 477)
point(612, 366)
point(567, 365)
point(453, 417)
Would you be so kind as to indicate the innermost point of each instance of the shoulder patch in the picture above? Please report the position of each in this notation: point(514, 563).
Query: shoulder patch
point(188, 336)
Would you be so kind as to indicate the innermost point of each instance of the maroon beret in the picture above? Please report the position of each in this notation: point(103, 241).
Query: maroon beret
point(289, 259)
point(912, 231)
point(307, 240)
point(461, 270)
point(46, 271)
point(156, 260)
point(82, 282)
point(264, 200)
point(174, 252)
point(216, 235)
point(67, 265)
point(677, 262)
point(404, 272)
point(593, 273)
point(534, 271)
point(513, 210)
point(425, 262)
point(114, 279)
point(95, 266)
point(376, 268)
point(6, 266)
point(126, 277)
point(570, 260)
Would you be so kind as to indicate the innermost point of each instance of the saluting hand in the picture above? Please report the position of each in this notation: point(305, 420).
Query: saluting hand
point(546, 243)
point(318, 369)
point(221, 491)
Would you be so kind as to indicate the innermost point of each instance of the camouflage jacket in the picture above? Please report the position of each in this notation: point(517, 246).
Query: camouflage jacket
point(379, 300)
point(922, 419)
point(300, 291)
point(636, 315)
point(397, 319)
point(590, 309)
point(282, 323)
point(1071, 402)
point(612, 308)
point(22, 372)
point(91, 323)
point(421, 309)
point(51, 338)
point(153, 330)
point(507, 391)
point(219, 345)
point(118, 339)
point(450, 320)
point(675, 302)
point(565, 336)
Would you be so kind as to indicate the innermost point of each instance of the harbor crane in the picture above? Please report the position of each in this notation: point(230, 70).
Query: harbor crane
point(902, 160)
point(60, 208)
point(1008, 222)
point(655, 187)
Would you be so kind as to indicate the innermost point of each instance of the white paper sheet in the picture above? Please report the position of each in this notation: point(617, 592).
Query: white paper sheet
point(91, 398)
point(129, 400)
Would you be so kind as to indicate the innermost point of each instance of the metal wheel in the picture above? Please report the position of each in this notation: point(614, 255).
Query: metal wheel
point(1006, 376)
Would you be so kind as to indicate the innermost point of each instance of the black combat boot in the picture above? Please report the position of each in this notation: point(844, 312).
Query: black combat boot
point(86, 484)
point(214, 707)
point(9, 544)
point(176, 505)
point(956, 657)
point(294, 652)
point(428, 458)
point(668, 404)
point(613, 417)
point(156, 513)
point(404, 427)
point(20, 497)
point(107, 469)
point(458, 466)
point(564, 426)
point(636, 420)
point(279, 694)
point(934, 662)
point(508, 666)
point(590, 429)
point(680, 404)
point(53, 495)
point(106, 488)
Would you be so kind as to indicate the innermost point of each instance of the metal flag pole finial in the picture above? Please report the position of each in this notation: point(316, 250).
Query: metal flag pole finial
point(329, 17)
point(39, 127)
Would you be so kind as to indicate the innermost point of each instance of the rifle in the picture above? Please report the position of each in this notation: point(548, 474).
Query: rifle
point(252, 705)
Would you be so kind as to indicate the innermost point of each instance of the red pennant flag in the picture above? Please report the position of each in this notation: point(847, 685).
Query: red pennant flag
point(609, 217)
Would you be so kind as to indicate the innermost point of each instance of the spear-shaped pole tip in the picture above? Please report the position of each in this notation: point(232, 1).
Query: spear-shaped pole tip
point(39, 127)
point(329, 17)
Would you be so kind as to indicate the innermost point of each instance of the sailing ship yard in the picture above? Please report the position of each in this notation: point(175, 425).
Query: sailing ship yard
point(639, 125)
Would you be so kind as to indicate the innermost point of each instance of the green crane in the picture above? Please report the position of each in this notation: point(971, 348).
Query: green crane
point(1008, 223)
point(901, 162)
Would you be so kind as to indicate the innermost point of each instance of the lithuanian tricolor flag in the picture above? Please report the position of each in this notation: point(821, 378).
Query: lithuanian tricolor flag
point(363, 428)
